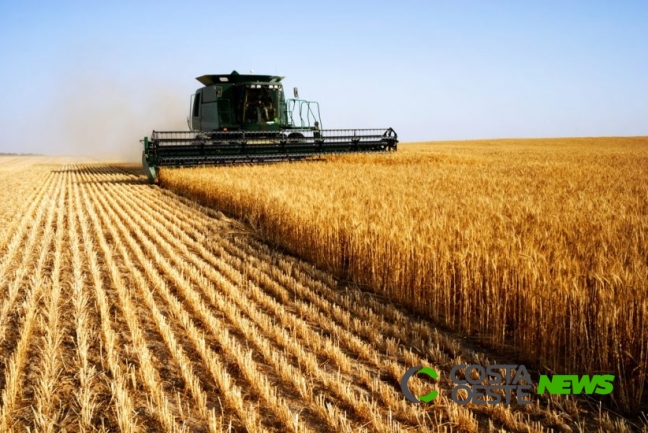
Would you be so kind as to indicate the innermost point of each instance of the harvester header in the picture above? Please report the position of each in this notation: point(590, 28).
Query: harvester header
point(246, 118)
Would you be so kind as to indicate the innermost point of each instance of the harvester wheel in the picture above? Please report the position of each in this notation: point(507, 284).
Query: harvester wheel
point(150, 170)
point(296, 138)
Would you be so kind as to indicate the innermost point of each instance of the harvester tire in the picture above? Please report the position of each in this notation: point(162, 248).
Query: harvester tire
point(296, 138)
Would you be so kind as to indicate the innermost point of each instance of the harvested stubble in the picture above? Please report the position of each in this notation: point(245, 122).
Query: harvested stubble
point(538, 245)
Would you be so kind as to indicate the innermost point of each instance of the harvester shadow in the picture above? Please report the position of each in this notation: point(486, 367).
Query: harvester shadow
point(117, 175)
point(132, 181)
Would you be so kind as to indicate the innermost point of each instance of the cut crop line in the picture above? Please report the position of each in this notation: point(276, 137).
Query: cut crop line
point(249, 249)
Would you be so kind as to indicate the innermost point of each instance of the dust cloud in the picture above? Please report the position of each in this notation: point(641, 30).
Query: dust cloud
point(105, 119)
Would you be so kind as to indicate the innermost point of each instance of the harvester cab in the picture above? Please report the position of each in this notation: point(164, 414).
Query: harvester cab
point(239, 118)
point(248, 103)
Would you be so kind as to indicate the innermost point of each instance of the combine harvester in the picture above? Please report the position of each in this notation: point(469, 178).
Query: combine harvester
point(240, 118)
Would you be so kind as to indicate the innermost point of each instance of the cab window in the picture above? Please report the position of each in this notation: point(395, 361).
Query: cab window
point(196, 105)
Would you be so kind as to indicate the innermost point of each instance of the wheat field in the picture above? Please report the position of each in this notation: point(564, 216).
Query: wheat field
point(535, 246)
point(124, 307)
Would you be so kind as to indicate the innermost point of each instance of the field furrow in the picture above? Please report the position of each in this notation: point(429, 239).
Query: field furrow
point(48, 410)
point(88, 388)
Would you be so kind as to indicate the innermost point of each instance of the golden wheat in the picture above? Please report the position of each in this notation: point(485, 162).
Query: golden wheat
point(539, 245)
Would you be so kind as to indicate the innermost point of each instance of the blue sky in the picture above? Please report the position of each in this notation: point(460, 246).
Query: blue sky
point(81, 76)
